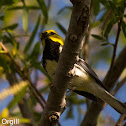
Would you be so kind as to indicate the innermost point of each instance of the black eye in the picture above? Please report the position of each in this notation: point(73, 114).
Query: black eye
point(52, 33)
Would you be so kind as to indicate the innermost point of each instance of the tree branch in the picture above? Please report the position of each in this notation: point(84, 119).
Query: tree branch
point(85, 46)
point(87, 37)
point(25, 77)
point(77, 29)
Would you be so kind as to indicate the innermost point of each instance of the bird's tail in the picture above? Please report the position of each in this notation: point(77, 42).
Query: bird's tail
point(112, 101)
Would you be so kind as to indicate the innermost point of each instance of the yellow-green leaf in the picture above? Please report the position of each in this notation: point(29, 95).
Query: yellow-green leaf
point(25, 19)
point(18, 97)
point(13, 90)
point(28, 45)
point(43, 8)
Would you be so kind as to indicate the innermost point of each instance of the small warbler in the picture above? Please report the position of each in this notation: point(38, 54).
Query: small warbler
point(84, 81)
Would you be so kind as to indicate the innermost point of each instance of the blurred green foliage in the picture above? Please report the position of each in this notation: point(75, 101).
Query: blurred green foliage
point(21, 22)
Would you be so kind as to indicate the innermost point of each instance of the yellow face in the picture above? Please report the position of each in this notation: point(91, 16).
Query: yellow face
point(51, 34)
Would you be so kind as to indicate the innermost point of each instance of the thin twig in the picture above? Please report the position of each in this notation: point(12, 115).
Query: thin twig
point(121, 119)
point(36, 90)
point(116, 41)
point(115, 45)
point(36, 96)
point(4, 48)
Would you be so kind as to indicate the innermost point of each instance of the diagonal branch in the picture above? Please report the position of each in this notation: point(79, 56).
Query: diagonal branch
point(25, 77)
point(77, 29)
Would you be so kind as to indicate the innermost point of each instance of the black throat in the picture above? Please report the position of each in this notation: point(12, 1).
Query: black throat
point(51, 51)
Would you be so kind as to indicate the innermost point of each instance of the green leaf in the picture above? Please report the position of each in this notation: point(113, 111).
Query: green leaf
point(8, 2)
point(61, 28)
point(35, 53)
point(18, 97)
point(104, 2)
point(32, 35)
point(95, 24)
point(96, 7)
point(2, 17)
point(114, 8)
point(11, 27)
point(98, 37)
point(124, 28)
point(24, 120)
point(110, 25)
point(22, 7)
point(10, 38)
point(7, 39)
point(44, 9)
point(25, 19)
point(108, 29)
point(104, 44)
point(4, 63)
point(13, 90)
point(64, 8)
point(38, 66)
point(2, 51)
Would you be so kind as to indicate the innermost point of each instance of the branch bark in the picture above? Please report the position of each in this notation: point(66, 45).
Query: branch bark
point(77, 29)
point(109, 81)
point(85, 50)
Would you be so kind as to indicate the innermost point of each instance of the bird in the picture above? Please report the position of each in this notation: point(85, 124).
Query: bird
point(84, 82)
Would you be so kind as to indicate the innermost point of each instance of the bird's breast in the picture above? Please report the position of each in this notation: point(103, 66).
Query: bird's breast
point(51, 67)
point(81, 80)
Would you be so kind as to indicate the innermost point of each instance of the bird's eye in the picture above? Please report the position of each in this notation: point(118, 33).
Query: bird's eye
point(52, 33)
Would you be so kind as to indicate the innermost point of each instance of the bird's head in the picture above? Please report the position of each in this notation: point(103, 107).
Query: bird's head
point(50, 36)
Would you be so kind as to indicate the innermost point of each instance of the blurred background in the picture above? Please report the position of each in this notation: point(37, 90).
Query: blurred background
point(21, 22)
